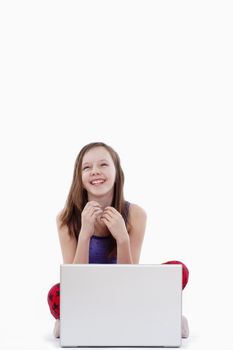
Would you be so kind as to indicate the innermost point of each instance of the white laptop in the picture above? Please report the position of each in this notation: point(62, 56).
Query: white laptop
point(120, 305)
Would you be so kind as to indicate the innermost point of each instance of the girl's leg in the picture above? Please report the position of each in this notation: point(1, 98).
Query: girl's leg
point(54, 300)
point(185, 277)
point(185, 271)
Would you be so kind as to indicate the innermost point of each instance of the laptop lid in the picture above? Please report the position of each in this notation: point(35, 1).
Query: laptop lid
point(106, 305)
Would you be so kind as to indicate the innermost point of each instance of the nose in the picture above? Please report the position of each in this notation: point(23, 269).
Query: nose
point(95, 170)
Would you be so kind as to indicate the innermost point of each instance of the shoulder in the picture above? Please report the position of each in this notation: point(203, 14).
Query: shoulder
point(137, 215)
point(58, 218)
point(137, 229)
point(62, 229)
point(136, 210)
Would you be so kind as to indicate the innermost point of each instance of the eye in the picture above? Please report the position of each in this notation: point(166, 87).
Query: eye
point(104, 164)
point(86, 167)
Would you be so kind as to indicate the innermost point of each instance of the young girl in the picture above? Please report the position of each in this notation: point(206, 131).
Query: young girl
point(97, 225)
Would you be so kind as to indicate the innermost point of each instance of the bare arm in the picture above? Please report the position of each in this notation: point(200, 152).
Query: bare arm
point(82, 251)
point(124, 252)
point(129, 250)
point(73, 252)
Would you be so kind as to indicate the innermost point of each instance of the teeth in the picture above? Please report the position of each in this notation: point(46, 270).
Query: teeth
point(97, 182)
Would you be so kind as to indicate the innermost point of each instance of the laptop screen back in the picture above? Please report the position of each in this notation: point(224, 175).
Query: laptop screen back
point(120, 305)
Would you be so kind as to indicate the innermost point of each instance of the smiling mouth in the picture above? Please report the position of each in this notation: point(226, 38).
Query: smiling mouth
point(97, 182)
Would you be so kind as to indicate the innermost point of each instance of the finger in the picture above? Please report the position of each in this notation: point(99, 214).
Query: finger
point(106, 216)
point(111, 210)
point(105, 221)
point(98, 212)
point(93, 204)
point(95, 211)
point(89, 208)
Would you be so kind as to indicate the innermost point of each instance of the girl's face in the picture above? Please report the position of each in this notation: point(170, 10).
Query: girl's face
point(98, 172)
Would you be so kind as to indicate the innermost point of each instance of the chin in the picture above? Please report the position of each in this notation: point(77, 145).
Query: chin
point(100, 193)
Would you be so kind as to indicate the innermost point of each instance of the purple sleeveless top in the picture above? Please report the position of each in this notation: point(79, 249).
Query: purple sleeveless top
point(99, 246)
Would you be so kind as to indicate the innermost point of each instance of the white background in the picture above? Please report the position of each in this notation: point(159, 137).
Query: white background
point(154, 80)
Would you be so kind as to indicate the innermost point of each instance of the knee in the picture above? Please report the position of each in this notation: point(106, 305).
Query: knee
point(185, 271)
point(53, 292)
point(53, 299)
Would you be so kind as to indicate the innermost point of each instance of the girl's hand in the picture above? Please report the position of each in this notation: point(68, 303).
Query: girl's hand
point(88, 217)
point(115, 223)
